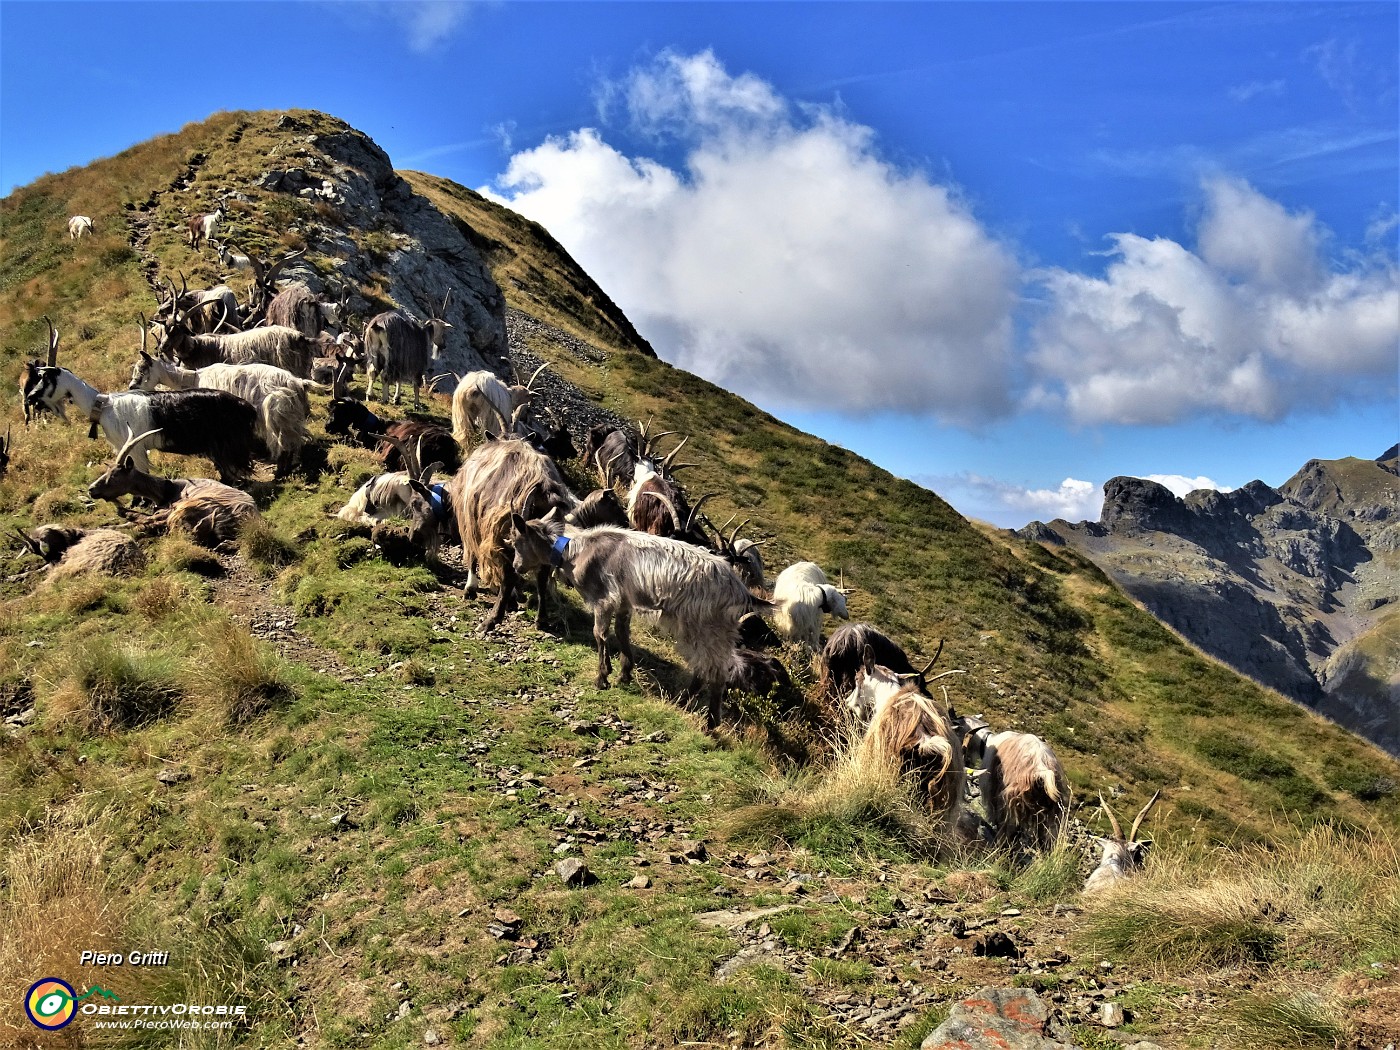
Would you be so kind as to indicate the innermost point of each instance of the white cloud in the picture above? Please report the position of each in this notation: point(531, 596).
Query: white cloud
point(784, 258)
point(1180, 485)
point(1252, 323)
point(1256, 89)
point(1012, 506)
point(427, 23)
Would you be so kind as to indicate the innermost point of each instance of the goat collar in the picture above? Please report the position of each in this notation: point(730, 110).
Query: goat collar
point(556, 553)
point(437, 498)
point(376, 425)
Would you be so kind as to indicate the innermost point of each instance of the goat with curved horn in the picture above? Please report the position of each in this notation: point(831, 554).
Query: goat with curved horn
point(1122, 856)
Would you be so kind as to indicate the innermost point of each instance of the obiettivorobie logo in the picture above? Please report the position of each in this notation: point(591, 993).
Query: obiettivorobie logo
point(52, 1004)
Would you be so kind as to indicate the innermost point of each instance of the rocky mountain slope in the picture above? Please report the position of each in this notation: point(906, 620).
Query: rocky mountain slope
point(332, 798)
point(1297, 587)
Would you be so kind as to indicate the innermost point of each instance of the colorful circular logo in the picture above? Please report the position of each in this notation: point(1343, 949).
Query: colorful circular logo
point(51, 1003)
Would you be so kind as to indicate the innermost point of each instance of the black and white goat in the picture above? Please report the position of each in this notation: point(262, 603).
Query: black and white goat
point(844, 654)
point(279, 397)
point(209, 423)
point(211, 512)
point(691, 594)
point(612, 453)
point(398, 348)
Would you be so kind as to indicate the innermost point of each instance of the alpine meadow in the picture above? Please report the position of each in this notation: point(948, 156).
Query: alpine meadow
point(280, 750)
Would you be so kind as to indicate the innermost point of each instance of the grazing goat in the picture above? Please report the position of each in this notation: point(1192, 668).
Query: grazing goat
point(209, 423)
point(759, 674)
point(482, 403)
point(296, 306)
point(211, 512)
point(692, 595)
point(433, 443)
point(802, 594)
point(844, 653)
point(498, 480)
point(398, 348)
point(408, 493)
point(1024, 788)
point(79, 225)
point(72, 552)
point(743, 555)
point(599, 507)
point(352, 419)
point(906, 726)
point(612, 453)
point(199, 228)
point(1122, 856)
point(279, 397)
point(200, 314)
point(273, 345)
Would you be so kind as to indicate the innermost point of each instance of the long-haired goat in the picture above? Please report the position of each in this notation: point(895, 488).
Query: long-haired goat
point(206, 310)
point(72, 552)
point(211, 512)
point(612, 452)
point(1123, 855)
point(398, 348)
point(408, 493)
point(209, 423)
point(482, 403)
point(844, 653)
point(199, 228)
point(499, 479)
point(693, 595)
point(279, 397)
point(656, 504)
point(79, 225)
point(599, 507)
point(1024, 789)
point(271, 345)
point(907, 726)
point(297, 306)
point(741, 553)
point(802, 594)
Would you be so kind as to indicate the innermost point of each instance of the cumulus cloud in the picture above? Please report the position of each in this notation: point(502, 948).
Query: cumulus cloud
point(1253, 322)
point(783, 257)
point(1012, 506)
point(1180, 485)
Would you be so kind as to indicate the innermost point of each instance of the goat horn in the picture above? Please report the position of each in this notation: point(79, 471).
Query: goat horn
point(666, 462)
point(445, 299)
point(1132, 835)
point(432, 383)
point(132, 442)
point(929, 666)
point(1112, 820)
point(675, 518)
point(734, 536)
point(28, 541)
point(531, 384)
point(145, 330)
point(690, 522)
point(53, 342)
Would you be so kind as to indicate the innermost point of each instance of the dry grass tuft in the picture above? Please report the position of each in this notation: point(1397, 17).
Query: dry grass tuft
point(122, 687)
point(239, 676)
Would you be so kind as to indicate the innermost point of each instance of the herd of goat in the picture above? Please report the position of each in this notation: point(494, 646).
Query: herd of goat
point(238, 389)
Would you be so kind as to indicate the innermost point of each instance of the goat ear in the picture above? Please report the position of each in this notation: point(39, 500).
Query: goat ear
point(867, 659)
point(519, 524)
point(129, 463)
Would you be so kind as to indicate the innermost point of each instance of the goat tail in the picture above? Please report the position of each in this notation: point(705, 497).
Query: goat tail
point(461, 422)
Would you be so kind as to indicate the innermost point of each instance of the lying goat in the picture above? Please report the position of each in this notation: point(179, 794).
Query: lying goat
point(408, 493)
point(352, 418)
point(691, 594)
point(1122, 856)
point(211, 512)
point(906, 726)
point(72, 552)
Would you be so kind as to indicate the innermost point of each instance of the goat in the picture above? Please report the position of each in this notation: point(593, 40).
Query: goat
point(906, 725)
point(408, 493)
point(279, 397)
point(296, 306)
point(398, 348)
point(198, 306)
point(272, 345)
point(844, 653)
point(599, 507)
point(232, 259)
point(199, 228)
point(352, 419)
point(213, 513)
point(482, 403)
point(210, 423)
point(802, 594)
point(338, 368)
point(1024, 787)
point(692, 595)
point(759, 674)
point(71, 551)
point(79, 225)
point(1122, 856)
point(434, 445)
point(743, 555)
point(655, 503)
point(612, 453)
point(499, 479)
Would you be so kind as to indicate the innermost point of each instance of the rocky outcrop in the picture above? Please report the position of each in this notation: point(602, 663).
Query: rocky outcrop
point(1296, 587)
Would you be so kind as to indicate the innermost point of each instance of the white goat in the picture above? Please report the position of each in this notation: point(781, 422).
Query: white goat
point(279, 397)
point(1025, 788)
point(802, 594)
point(482, 403)
point(1122, 856)
point(232, 259)
point(200, 228)
point(79, 225)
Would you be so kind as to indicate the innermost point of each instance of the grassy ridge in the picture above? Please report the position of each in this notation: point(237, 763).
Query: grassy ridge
point(326, 830)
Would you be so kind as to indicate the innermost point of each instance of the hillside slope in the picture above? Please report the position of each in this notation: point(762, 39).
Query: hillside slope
point(1296, 587)
point(306, 754)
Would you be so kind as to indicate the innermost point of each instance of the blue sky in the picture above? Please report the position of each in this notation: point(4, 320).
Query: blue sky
point(1009, 250)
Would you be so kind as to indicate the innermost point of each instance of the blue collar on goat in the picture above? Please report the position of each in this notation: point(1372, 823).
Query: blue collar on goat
point(437, 497)
point(556, 557)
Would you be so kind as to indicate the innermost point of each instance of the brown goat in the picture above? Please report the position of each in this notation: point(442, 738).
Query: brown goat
point(497, 480)
point(1026, 792)
point(73, 552)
